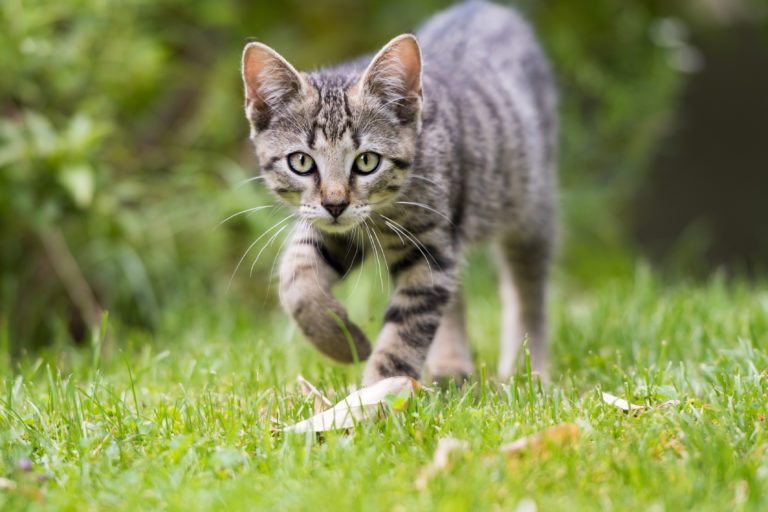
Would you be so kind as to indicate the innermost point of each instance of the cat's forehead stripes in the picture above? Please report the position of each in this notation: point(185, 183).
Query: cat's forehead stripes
point(332, 114)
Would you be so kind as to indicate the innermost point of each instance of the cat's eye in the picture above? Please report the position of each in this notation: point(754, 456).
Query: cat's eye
point(367, 162)
point(301, 163)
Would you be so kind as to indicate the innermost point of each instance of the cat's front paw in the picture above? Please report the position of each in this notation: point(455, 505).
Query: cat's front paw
point(333, 341)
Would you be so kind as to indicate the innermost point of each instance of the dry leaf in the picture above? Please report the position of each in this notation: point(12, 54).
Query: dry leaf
point(626, 406)
point(526, 505)
point(321, 401)
point(26, 490)
point(446, 447)
point(536, 444)
point(359, 405)
point(621, 403)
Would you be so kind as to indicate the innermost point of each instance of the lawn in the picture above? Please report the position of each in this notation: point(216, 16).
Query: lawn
point(183, 419)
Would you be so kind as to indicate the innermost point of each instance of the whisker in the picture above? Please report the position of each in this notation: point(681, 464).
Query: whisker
point(254, 209)
point(422, 205)
point(267, 244)
point(275, 260)
point(381, 247)
point(248, 180)
point(362, 259)
point(424, 178)
point(376, 254)
point(402, 242)
point(354, 256)
point(251, 247)
point(425, 253)
point(414, 239)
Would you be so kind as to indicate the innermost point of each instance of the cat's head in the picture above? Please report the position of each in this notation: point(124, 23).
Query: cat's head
point(335, 145)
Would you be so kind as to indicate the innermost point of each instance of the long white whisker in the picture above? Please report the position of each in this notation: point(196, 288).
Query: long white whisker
point(424, 178)
point(354, 256)
point(251, 247)
point(248, 180)
point(416, 243)
point(361, 241)
point(381, 247)
point(267, 244)
point(402, 242)
point(422, 205)
point(376, 255)
point(414, 239)
point(254, 209)
point(277, 258)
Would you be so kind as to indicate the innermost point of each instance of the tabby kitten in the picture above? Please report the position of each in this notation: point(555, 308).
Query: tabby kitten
point(440, 141)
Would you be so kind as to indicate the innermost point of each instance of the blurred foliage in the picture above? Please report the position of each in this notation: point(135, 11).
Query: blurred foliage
point(122, 136)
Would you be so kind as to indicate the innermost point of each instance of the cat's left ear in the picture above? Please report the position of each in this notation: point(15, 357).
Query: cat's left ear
point(394, 75)
point(270, 82)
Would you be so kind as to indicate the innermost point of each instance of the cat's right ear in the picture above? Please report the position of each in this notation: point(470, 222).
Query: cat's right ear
point(270, 82)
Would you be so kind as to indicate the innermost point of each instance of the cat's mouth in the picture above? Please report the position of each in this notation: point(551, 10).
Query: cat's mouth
point(338, 224)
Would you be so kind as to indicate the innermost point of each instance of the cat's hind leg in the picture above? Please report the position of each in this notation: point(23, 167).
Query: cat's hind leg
point(449, 356)
point(523, 269)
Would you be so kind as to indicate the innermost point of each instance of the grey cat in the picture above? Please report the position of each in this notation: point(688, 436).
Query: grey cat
point(440, 141)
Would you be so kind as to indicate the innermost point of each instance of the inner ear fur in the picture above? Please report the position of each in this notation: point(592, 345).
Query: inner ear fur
point(394, 75)
point(270, 81)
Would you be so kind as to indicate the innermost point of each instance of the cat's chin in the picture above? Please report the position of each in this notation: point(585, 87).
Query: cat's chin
point(335, 227)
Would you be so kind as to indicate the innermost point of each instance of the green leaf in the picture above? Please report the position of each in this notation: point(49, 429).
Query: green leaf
point(78, 180)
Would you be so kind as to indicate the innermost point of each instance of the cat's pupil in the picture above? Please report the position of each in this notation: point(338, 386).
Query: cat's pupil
point(365, 159)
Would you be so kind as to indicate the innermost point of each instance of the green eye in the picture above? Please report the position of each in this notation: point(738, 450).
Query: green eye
point(367, 162)
point(301, 163)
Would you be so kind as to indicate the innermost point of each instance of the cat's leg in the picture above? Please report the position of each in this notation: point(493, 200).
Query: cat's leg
point(523, 269)
point(309, 268)
point(449, 356)
point(424, 286)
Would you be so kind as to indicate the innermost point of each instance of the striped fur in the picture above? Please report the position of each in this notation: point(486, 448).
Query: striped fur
point(463, 116)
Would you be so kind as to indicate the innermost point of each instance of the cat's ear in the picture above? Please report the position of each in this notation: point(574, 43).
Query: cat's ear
point(270, 81)
point(394, 75)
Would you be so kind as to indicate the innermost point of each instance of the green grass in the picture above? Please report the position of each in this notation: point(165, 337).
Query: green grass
point(182, 420)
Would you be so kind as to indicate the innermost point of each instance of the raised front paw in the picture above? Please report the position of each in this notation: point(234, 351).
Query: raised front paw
point(323, 328)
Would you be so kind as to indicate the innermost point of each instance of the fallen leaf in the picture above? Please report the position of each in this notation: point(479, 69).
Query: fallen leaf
point(308, 389)
point(359, 405)
point(626, 406)
point(27, 491)
point(526, 505)
point(621, 403)
point(537, 444)
point(446, 448)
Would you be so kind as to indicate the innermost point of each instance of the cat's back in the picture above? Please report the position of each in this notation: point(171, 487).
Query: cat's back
point(481, 49)
point(489, 90)
point(480, 39)
point(474, 30)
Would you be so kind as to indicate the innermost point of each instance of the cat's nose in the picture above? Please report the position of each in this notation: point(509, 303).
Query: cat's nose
point(335, 209)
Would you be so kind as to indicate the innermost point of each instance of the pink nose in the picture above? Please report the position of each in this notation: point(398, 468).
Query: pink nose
point(335, 209)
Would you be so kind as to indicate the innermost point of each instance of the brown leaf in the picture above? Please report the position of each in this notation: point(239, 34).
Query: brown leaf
point(27, 491)
point(537, 444)
point(447, 448)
